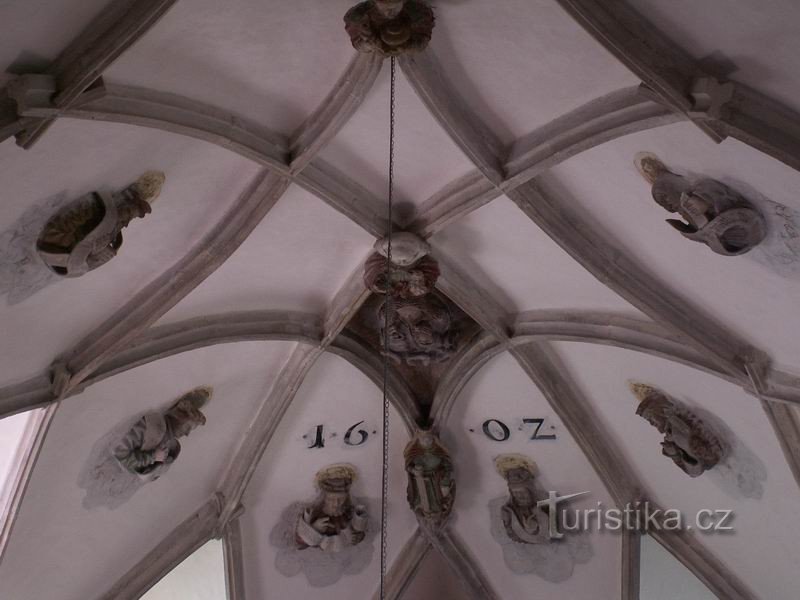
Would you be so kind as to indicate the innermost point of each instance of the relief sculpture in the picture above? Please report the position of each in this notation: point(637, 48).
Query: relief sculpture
point(390, 27)
point(136, 453)
point(329, 536)
point(152, 444)
point(332, 522)
point(688, 441)
point(87, 233)
point(67, 237)
point(523, 527)
point(420, 326)
point(524, 521)
point(431, 485)
point(711, 212)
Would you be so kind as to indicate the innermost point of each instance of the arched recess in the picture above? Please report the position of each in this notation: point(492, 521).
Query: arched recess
point(338, 406)
point(485, 423)
point(62, 532)
point(753, 482)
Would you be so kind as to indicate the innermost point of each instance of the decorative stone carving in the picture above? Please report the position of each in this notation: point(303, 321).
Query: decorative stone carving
point(414, 272)
point(151, 445)
point(420, 331)
point(688, 441)
point(420, 323)
point(390, 27)
point(712, 213)
point(523, 520)
point(329, 536)
point(87, 233)
point(332, 522)
point(431, 485)
point(523, 529)
point(136, 453)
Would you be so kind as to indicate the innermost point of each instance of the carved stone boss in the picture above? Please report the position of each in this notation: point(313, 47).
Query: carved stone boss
point(390, 27)
point(332, 522)
point(87, 233)
point(420, 323)
point(712, 213)
point(688, 441)
point(431, 486)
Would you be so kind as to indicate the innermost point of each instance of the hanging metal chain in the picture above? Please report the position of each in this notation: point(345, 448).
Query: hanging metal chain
point(388, 307)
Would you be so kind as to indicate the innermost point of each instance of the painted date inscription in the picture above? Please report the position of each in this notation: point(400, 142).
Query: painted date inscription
point(496, 430)
point(354, 436)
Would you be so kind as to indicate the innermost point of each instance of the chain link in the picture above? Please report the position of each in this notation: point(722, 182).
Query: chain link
point(387, 320)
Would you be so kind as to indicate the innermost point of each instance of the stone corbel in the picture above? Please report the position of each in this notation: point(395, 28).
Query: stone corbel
point(61, 379)
point(709, 98)
point(33, 94)
point(225, 518)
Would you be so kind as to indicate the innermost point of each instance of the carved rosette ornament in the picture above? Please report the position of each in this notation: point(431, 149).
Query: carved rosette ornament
point(688, 441)
point(390, 27)
point(711, 212)
point(420, 323)
point(87, 233)
point(332, 522)
point(431, 485)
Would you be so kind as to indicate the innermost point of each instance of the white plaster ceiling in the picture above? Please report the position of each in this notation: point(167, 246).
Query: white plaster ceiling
point(360, 148)
point(521, 63)
point(501, 390)
point(523, 267)
point(517, 65)
point(336, 395)
point(296, 259)
point(764, 540)
point(39, 30)
point(744, 41)
point(272, 62)
point(78, 157)
point(62, 538)
point(744, 293)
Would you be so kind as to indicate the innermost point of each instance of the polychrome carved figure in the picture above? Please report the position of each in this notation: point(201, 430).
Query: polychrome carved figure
point(711, 212)
point(390, 27)
point(413, 274)
point(151, 445)
point(332, 522)
point(431, 485)
point(523, 520)
point(688, 441)
point(87, 233)
point(420, 323)
point(420, 330)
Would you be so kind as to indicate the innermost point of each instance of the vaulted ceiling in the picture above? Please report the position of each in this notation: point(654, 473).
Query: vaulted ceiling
point(516, 135)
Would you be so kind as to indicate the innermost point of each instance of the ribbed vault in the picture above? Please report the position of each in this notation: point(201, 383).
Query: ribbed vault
point(299, 181)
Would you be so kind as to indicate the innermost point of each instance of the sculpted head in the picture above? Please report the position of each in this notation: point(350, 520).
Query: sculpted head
point(139, 204)
point(185, 415)
point(334, 483)
point(519, 473)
